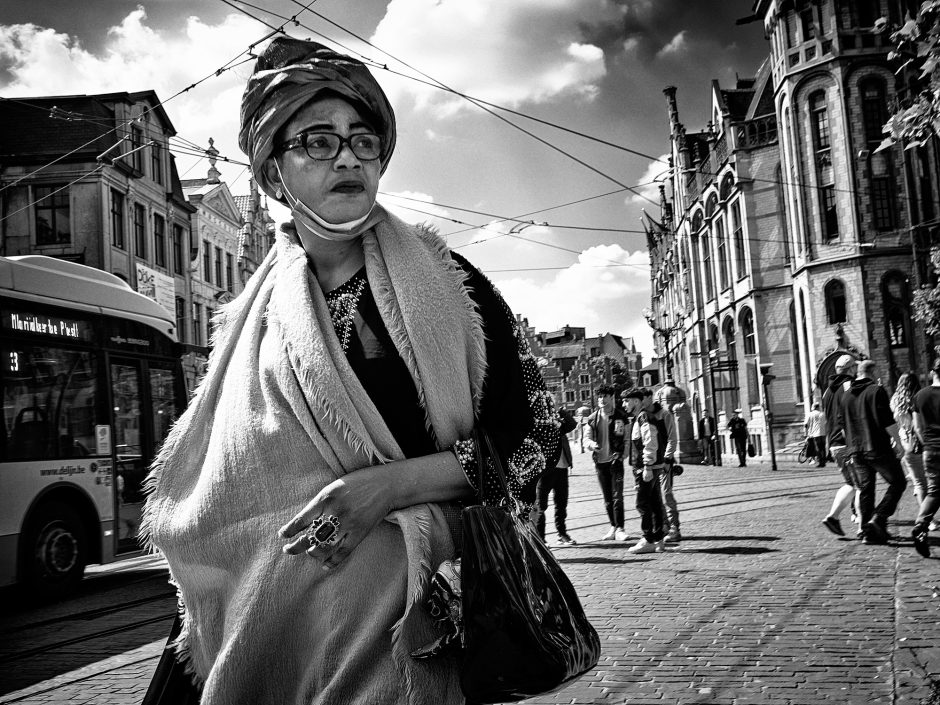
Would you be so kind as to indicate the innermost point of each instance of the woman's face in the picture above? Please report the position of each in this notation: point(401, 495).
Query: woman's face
point(340, 189)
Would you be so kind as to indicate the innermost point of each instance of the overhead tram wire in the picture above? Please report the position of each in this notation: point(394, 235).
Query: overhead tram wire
point(218, 72)
point(479, 105)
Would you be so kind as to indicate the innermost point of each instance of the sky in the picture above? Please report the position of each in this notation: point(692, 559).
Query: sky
point(545, 215)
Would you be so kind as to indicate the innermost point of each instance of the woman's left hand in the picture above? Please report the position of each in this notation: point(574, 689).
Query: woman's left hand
point(359, 500)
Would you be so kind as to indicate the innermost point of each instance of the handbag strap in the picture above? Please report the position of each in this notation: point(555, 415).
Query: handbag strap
point(483, 442)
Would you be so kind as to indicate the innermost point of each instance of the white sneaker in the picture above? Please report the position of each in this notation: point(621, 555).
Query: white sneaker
point(643, 546)
point(620, 535)
point(610, 535)
point(660, 546)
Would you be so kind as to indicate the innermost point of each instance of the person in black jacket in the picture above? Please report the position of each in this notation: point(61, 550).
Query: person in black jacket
point(604, 437)
point(873, 441)
point(835, 441)
point(556, 480)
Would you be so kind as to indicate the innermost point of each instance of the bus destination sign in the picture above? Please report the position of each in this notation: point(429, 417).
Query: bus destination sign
point(41, 324)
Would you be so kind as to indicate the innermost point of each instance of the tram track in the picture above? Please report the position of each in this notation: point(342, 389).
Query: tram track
point(100, 634)
point(87, 614)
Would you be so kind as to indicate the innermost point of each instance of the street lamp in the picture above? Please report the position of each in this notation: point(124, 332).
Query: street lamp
point(766, 378)
point(664, 332)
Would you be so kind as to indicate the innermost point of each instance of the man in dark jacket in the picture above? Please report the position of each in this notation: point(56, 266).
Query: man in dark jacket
point(604, 437)
point(737, 428)
point(555, 480)
point(835, 440)
point(647, 442)
point(872, 440)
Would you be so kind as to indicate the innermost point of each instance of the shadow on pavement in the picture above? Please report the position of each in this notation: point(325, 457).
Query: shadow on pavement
point(734, 550)
point(598, 560)
point(695, 537)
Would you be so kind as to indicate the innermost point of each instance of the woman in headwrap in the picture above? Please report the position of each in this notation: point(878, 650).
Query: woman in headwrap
point(302, 499)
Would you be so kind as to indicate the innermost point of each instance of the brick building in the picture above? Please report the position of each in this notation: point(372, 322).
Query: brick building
point(783, 240)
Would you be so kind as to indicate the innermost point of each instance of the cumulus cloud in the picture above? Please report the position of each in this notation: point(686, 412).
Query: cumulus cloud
point(134, 57)
point(504, 52)
point(604, 291)
point(648, 185)
point(675, 46)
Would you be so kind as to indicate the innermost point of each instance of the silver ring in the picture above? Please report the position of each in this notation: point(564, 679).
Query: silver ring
point(324, 531)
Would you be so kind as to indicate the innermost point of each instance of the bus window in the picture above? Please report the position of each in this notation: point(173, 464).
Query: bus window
point(48, 403)
point(163, 402)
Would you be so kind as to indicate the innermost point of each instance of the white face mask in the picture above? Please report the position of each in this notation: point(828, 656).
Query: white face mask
point(336, 232)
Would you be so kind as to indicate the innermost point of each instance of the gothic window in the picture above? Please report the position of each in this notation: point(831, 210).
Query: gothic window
point(747, 332)
point(713, 337)
point(737, 239)
point(722, 254)
point(874, 111)
point(707, 266)
point(711, 205)
point(819, 123)
point(896, 295)
point(749, 340)
point(835, 301)
point(727, 184)
point(697, 220)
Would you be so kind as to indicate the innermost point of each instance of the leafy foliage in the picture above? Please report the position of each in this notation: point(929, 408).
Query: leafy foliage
point(619, 377)
point(917, 121)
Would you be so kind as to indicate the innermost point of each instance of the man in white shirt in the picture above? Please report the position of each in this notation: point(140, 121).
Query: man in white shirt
point(815, 425)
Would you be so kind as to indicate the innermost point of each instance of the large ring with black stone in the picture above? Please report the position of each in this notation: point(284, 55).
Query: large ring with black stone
point(324, 531)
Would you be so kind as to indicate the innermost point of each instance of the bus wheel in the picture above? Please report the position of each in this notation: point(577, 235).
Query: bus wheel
point(56, 551)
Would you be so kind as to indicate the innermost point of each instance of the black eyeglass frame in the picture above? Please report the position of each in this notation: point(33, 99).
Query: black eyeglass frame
point(301, 138)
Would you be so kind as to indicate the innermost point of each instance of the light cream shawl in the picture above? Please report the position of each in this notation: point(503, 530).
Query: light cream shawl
point(279, 415)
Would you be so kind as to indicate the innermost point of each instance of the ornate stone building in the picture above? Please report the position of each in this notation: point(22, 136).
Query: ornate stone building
point(784, 239)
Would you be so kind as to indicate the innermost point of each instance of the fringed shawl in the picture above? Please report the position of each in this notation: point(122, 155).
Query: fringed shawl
point(279, 415)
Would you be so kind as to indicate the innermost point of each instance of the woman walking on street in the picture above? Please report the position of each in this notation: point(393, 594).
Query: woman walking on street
point(902, 404)
point(302, 500)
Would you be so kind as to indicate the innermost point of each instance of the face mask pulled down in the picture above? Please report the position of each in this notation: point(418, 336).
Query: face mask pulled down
point(304, 215)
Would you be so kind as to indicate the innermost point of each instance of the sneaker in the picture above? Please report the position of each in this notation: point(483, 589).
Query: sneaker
point(609, 536)
point(833, 525)
point(921, 540)
point(565, 540)
point(620, 535)
point(674, 536)
point(644, 546)
point(934, 526)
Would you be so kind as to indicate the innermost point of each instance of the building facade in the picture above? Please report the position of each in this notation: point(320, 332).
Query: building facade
point(784, 240)
point(91, 179)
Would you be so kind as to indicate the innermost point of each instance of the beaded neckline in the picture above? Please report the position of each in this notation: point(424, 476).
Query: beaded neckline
point(343, 301)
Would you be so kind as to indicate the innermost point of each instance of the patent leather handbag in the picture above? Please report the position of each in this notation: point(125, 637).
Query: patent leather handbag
point(170, 684)
point(525, 632)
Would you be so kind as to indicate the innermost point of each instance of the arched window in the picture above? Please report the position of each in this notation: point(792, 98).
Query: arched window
point(727, 183)
point(819, 124)
point(895, 291)
point(795, 349)
point(713, 337)
point(707, 270)
point(746, 322)
point(749, 343)
point(835, 301)
point(697, 220)
point(732, 395)
point(721, 245)
point(711, 206)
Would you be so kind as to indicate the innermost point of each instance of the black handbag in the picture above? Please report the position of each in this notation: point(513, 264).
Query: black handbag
point(524, 630)
point(171, 685)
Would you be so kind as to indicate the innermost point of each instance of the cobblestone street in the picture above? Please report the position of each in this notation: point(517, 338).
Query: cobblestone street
point(758, 604)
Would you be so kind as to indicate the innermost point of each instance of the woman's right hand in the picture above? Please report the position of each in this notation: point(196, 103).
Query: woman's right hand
point(359, 502)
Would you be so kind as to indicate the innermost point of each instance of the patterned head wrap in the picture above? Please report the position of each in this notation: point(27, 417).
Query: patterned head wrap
point(289, 74)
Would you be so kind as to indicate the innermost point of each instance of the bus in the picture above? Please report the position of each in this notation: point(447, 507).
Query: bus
point(92, 380)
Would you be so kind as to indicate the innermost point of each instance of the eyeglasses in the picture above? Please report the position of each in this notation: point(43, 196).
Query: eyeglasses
point(324, 146)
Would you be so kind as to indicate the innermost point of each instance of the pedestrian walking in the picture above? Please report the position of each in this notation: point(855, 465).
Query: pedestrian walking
point(737, 427)
point(604, 435)
point(815, 426)
point(902, 405)
point(871, 438)
point(554, 481)
point(646, 454)
point(706, 436)
point(927, 427)
point(659, 411)
point(305, 491)
point(839, 382)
